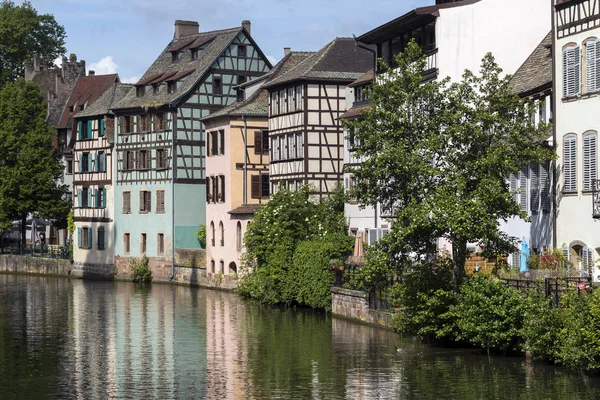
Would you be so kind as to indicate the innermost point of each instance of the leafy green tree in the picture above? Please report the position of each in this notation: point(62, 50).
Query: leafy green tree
point(25, 33)
point(30, 168)
point(439, 154)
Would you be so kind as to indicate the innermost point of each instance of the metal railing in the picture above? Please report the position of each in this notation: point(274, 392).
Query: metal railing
point(58, 252)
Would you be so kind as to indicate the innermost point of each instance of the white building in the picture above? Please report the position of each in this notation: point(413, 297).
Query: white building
point(577, 85)
point(455, 35)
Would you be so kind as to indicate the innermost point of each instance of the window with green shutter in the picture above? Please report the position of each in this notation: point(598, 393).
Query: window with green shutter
point(101, 130)
point(103, 197)
point(101, 238)
point(79, 239)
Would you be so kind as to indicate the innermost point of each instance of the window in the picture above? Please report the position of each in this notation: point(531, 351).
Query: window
point(298, 98)
point(217, 86)
point(282, 146)
point(101, 238)
point(140, 91)
point(143, 160)
point(125, 124)
point(282, 102)
point(100, 195)
point(291, 146)
point(126, 202)
point(85, 162)
point(241, 51)
point(101, 127)
point(143, 122)
point(222, 234)
point(241, 79)
point(161, 158)
point(215, 188)
point(592, 65)
point(156, 88)
point(240, 95)
point(259, 186)
point(171, 87)
point(175, 56)
point(221, 142)
point(101, 162)
point(69, 167)
point(590, 155)
point(195, 54)
point(208, 189)
point(238, 237)
point(518, 187)
point(145, 201)
point(535, 188)
point(212, 266)
point(126, 243)
point(129, 160)
point(290, 100)
point(212, 233)
point(160, 201)
point(571, 71)
point(221, 188)
point(261, 142)
point(545, 184)
point(84, 130)
point(159, 124)
point(160, 244)
point(273, 103)
point(570, 164)
point(143, 243)
point(299, 146)
point(222, 267)
point(85, 197)
point(214, 143)
point(84, 237)
point(274, 149)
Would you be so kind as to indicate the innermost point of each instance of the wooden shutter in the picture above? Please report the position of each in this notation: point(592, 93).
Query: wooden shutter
point(571, 71)
point(80, 197)
point(221, 142)
point(79, 237)
point(141, 200)
point(535, 188)
point(255, 187)
point(208, 187)
point(523, 188)
point(372, 236)
point(97, 198)
point(101, 238)
point(265, 142)
point(589, 161)
point(570, 164)
point(215, 189)
point(222, 179)
point(79, 128)
point(89, 163)
point(89, 198)
point(89, 130)
point(513, 187)
point(545, 183)
point(258, 148)
point(592, 57)
point(101, 127)
point(264, 186)
point(103, 197)
point(89, 238)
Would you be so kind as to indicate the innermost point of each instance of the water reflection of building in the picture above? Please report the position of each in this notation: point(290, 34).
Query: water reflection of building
point(226, 347)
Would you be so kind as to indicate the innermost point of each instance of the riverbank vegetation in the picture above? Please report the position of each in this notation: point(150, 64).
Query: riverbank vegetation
point(289, 245)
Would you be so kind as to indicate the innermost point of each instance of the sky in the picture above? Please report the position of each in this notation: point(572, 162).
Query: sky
point(126, 36)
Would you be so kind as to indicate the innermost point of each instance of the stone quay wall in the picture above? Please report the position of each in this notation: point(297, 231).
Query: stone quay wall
point(13, 264)
point(354, 305)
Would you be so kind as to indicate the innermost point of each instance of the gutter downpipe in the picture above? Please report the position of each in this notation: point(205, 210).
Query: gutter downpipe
point(554, 101)
point(174, 132)
point(245, 183)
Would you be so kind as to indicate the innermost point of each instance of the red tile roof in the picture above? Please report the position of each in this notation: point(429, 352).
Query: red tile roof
point(87, 89)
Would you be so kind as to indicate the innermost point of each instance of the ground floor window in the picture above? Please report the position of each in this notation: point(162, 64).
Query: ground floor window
point(161, 244)
point(101, 238)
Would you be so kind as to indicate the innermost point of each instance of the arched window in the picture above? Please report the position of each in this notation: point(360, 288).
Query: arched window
point(232, 268)
point(592, 65)
point(571, 70)
point(590, 155)
point(222, 265)
point(212, 233)
point(238, 237)
point(222, 233)
point(570, 164)
point(212, 266)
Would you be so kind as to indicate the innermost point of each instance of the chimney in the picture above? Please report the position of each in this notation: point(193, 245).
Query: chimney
point(91, 72)
point(286, 51)
point(73, 57)
point(186, 28)
point(246, 24)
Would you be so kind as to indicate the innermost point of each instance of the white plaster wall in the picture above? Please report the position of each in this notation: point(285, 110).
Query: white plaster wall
point(574, 220)
point(510, 29)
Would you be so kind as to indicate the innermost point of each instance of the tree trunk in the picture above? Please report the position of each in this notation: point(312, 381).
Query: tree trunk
point(459, 256)
point(23, 232)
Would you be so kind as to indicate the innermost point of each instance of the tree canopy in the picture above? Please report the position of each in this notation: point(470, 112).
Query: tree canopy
point(30, 168)
point(439, 155)
point(25, 33)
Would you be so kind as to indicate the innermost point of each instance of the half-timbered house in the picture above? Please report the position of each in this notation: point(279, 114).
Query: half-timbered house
point(237, 168)
point(160, 163)
point(576, 46)
point(306, 137)
point(533, 185)
point(92, 147)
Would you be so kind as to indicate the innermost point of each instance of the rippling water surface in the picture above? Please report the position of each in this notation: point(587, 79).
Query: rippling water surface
point(73, 339)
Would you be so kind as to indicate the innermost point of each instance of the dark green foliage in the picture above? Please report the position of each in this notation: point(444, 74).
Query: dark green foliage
point(490, 315)
point(271, 266)
point(23, 33)
point(201, 236)
point(140, 270)
point(542, 326)
point(30, 171)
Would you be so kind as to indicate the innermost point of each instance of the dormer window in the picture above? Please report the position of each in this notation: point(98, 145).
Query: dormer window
point(156, 88)
point(172, 86)
point(81, 107)
point(71, 108)
point(140, 91)
point(175, 56)
point(195, 53)
point(217, 86)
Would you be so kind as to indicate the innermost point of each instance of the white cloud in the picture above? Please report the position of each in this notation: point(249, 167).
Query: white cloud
point(106, 65)
point(132, 79)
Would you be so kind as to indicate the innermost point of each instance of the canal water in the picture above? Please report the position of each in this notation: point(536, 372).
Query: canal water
point(73, 339)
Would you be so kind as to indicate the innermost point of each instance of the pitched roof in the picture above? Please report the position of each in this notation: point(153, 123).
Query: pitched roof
point(106, 101)
point(247, 209)
point(354, 112)
point(365, 78)
point(340, 60)
point(258, 103)
point(536, 72)
point(411, 20)
point(87, 89)
point(164, 68)
point(56, 91)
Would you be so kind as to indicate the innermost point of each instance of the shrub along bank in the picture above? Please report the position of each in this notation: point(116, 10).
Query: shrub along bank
point(488, 314)
point(289, 245)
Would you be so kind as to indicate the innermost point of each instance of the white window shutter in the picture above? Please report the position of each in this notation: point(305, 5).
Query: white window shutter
point(516, 260)
point(571, 71)
point(372, 235)
point(513, 187)
point(590, 67)
point(589, 161)
point(597, 66)
point(535, 188)
point(523, 188)
point(570, 165)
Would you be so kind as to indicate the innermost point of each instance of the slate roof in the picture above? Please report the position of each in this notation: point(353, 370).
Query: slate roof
point(339, 61)
point(164, 67)
point(106, 101)
point(258, 103)
point(536, 72)
point(87, 89)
